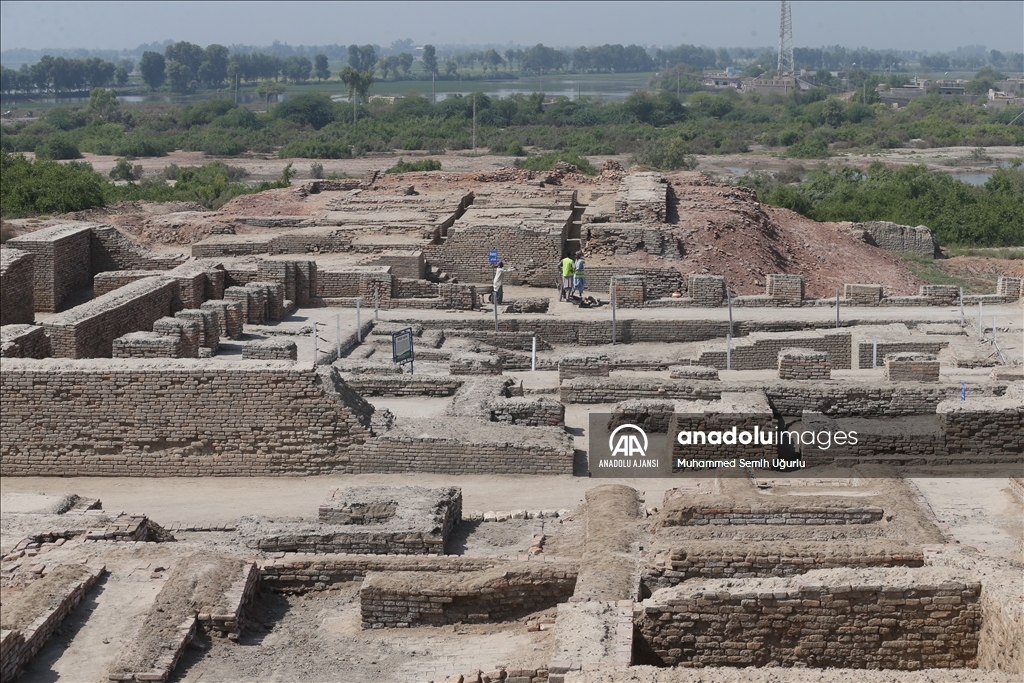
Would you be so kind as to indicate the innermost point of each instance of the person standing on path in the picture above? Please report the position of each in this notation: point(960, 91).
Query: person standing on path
point(566, 288)
point(579, 278)
point(499, 284)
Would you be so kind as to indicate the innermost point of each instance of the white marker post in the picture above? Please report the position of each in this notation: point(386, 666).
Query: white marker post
point(494, 298)
point(316, 351)
point(837, 308)
point(613, 311)
point(359, 324)
point(728, 298)
point(728, 352)
point(874, 352)
point(533, 359)
point(961, 308)
point(337, 336)
point(981, 323)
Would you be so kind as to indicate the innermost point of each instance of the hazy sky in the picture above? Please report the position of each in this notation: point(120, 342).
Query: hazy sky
point(930, 26)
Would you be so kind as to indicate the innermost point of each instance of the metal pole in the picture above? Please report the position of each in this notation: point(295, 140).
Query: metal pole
point(837, 308)
point(359, 324)
point(494, 298)
point(613, 311)
point(961, 308)
point(728, 352)
point(337, 335)
point(874, 352)
point(533, 358)
point(376, 304)
point(981, 323)
point(728, 298)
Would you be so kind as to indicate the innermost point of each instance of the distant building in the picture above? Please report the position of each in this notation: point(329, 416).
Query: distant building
point(998, 99)
point(721, 81)
point(776, 86)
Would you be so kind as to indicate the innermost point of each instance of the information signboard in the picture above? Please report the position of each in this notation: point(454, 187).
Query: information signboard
point(402, 347)
point(492, 256)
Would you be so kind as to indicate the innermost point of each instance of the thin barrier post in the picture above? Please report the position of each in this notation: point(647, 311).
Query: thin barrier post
point(337, 336)
point(316, 351)
point(728, 297)
point(495, 300)
point(981, 323)
point(376, 303)
point(961, 308)
point(837, 308)
point(995, 343)
point(613, 311)
point(533, 357)
point(874, 352)
point(359, 323)
point(728, 352)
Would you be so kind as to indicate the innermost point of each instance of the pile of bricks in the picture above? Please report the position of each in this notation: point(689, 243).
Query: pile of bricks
point(804, 364)
point(573, 365)
point(785, 290)
point(911, 367)
point(693, 372)
point(270, 349)
point(862, 295)
point(706, 290)
point(475, 364)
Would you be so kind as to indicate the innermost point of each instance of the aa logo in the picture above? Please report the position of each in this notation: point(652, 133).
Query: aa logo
point(628, 444)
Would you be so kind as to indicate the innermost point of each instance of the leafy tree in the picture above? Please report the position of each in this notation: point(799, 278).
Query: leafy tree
point(297, 69)
point(121, 75)
point(832, 112)
point(103, 103)
point(320, 68)
point(430, 59)
point(153, 68)
point(188, 55)
point(123, 171)
point(268, 88)
point(58, 146)
point(179, 77)
point(405, 61)
point(40, 187)
point(362, 57)
point(359, 85)
point(214, 67)
point(451, 68)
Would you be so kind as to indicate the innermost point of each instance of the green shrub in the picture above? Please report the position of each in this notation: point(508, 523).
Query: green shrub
point(58, 146)
point(668, 155)
point(812, 147)
point(316, 148)
point(308, 109)
point(42, 186)
point(137, 145)
point(404, 166)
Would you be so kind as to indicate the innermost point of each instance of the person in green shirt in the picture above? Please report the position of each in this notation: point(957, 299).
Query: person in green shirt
point(567, 268)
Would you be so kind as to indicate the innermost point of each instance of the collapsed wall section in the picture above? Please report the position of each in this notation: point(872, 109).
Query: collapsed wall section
point(175, 418)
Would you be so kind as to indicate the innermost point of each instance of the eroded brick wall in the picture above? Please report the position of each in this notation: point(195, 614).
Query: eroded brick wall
point(61, 264)
point(17, 280)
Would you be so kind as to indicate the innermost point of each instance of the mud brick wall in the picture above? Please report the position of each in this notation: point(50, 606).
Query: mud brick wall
point(901, 239)
point(627, 291)
point(300, 278)
point(761, 352)
point(711, 560)
point(109, 249)
point(1011, 287)
point(610, 239)
point(185, 330)
point(403, 264)
point(513, 341)
point(808, 622)
point(230, 316)
point(904, 367)
point(658, 282)
point(403, 385)
point(178, 418)
point(747, 421)
point(89, 330)
point(804, 364)
point(103, 283)
point(789, 515)
point(650, 414)
point(238, 596)
point(865, 349)
point(24, 341)
point(301, 574)
point(534, 253)
point(208, 322)
point(273, 294)
point(983, 428)
point(706, 290)
point(879, 400)
point(785, 289)
point(1002, 622)
point(231, 245)
point(475, 364)
point(599, 390)
point(336, 284)
point(573, 365)
point(17, 283)
point(692, 372)
point(410, 599)
point(270, 349)
point(940, 295)
point(407, 288)
point(533, 412)
point(61, 262)
point(148, 345)
point(18, 648)
point(337, 541)
point(862, 295)
point(641, 197)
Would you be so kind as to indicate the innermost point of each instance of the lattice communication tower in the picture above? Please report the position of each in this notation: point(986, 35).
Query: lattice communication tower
point(786, 64)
